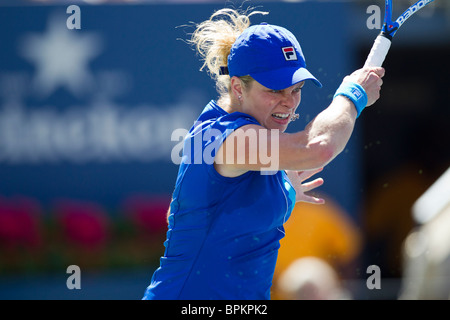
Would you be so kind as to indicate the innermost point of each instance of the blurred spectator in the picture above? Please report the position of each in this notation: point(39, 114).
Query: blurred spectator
point(426, 250)
point(325, 232)
point(311, 278)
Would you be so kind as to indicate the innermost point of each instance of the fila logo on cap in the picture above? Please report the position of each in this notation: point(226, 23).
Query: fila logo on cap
point(289, 53)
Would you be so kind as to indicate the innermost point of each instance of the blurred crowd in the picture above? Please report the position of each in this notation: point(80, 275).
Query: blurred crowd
point(323, 248)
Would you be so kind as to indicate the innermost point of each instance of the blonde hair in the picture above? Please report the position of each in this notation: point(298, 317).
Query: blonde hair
point(213, 40)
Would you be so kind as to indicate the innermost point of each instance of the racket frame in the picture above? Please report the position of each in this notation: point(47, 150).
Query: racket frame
point(383, 41)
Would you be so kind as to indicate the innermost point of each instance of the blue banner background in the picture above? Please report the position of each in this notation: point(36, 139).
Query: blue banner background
point(137, 61)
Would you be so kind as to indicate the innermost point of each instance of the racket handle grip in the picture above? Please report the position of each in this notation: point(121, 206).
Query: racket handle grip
point(378, 52)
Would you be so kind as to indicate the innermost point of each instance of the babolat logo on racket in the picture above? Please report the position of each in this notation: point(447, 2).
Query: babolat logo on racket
point(411, 10)
point(289, 53)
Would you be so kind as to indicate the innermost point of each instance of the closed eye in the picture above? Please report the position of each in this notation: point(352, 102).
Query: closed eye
point(295, 90)
point(300, 86)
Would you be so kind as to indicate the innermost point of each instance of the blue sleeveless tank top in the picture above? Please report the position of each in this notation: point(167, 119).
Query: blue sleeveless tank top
point(223, 233)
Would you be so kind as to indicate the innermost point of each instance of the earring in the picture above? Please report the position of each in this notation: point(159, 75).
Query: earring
point(239, 97)
point(294, 117)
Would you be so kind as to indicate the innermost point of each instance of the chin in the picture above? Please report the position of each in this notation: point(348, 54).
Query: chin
point(281, 127)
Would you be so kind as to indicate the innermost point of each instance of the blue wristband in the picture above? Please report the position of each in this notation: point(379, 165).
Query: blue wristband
point(355, 93)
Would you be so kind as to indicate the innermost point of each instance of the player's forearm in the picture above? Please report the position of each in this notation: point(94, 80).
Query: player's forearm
point(332, 128)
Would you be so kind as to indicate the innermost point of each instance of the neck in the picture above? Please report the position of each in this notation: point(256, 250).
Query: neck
point(228, 104)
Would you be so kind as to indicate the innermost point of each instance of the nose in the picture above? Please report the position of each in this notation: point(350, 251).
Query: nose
point(290, 100)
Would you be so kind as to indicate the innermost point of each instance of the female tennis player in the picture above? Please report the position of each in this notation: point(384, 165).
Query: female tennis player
point(226, 216)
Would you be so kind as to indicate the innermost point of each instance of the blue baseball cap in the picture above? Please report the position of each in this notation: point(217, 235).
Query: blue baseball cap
point(271, 55)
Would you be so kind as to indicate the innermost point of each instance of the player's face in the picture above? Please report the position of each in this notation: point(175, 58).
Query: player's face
point(272, 108)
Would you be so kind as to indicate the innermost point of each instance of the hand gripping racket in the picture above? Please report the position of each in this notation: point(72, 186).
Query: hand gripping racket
point(382, 43)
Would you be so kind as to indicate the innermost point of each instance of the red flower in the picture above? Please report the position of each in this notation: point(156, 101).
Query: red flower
point(83, 223)
point(20, 223)
point(148, 213)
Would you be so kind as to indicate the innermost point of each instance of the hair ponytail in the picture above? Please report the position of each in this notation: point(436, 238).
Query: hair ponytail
point(214, 38)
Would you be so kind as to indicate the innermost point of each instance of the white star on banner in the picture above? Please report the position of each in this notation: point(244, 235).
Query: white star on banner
point(61, 57)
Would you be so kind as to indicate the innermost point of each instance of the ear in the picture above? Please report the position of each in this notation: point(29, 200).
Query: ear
point(236, 87)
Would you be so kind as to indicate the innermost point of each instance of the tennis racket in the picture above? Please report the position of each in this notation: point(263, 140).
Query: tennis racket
point(382, 43)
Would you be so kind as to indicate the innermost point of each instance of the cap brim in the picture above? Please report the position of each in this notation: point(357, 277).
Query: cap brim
point(284, 78)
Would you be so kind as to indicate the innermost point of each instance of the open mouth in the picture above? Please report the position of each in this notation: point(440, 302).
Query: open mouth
point(280, 116)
